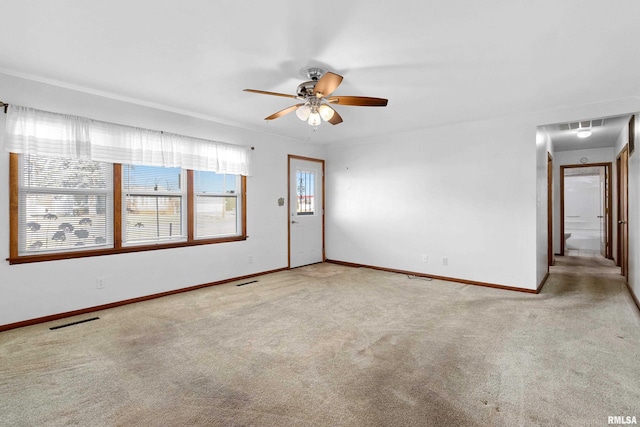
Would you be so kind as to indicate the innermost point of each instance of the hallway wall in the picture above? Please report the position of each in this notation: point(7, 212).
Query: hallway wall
point(544, 148)
point(634, 209)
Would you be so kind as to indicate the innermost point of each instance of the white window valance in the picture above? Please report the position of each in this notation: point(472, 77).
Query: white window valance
point(31, 131)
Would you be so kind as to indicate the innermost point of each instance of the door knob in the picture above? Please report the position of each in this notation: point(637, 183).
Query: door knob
point(294, 222)
point(600, 216)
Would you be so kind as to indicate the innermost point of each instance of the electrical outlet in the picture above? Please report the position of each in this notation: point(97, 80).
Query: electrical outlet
point(425, 258)
point(445, 261)
point(100, 283)
point(250, 259)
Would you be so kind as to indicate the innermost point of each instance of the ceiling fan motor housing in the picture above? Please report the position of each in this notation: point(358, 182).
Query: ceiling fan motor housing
point(306, 89)
point(312, 73)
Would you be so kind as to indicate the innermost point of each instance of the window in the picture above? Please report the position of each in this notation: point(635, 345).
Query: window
point(154, 201)
point(216, 204)
point(83, 187)
point(64, 205)
point(68, 208)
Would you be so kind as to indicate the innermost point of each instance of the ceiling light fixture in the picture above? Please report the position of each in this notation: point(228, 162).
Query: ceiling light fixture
point(583, 133)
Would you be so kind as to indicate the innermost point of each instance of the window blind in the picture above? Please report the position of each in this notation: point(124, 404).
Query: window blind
point(154, 202)
point(65, 205)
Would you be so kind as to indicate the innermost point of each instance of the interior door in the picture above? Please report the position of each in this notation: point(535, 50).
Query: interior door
point(306, 211)
point(623, 211)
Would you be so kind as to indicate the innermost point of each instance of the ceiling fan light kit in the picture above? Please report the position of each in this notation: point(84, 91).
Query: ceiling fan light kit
point(326, 112)
point(314, 119)
point(303, 112)
point(316, 97)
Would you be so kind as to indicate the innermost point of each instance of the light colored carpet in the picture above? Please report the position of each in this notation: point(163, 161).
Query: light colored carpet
point(328, 345)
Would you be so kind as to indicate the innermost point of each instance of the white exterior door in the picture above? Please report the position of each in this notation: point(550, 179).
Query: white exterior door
point(306, 211)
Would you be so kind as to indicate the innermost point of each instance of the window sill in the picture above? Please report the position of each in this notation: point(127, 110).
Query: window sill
point(25, 259)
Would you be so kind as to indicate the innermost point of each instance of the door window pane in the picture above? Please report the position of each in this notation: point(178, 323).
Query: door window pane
point(305, 189)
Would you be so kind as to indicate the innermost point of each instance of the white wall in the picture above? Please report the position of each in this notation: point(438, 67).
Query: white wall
point(634, 208)
point(34, 290)
point(466, 192)
point(544, 147)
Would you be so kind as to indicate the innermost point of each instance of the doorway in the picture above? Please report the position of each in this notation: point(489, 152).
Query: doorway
point(585, 210)
point(306, 211)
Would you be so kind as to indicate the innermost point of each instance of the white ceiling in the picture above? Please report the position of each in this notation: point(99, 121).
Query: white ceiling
point(438, 62)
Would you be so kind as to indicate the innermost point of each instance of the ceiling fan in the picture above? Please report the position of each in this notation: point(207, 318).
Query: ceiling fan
point(317, 102)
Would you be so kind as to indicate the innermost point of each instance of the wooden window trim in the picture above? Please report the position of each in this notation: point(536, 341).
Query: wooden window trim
point(14, 177)
point(117, 206)
point(190, 206)
point(14, 258)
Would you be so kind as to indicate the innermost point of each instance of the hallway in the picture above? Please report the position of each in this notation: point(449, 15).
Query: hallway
point(594, 276)
point(588, 253)
point(582, 262)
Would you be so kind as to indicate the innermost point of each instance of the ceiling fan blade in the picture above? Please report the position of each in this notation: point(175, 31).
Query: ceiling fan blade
point(360, 101)
point(264, 92)
point(336, 119)
point(327, 84)
point(283, 112)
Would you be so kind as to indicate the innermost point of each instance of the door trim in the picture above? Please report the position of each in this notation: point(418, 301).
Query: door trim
point(622, 255)
point(550, 258)
point(309, 159)
point(608, 207)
